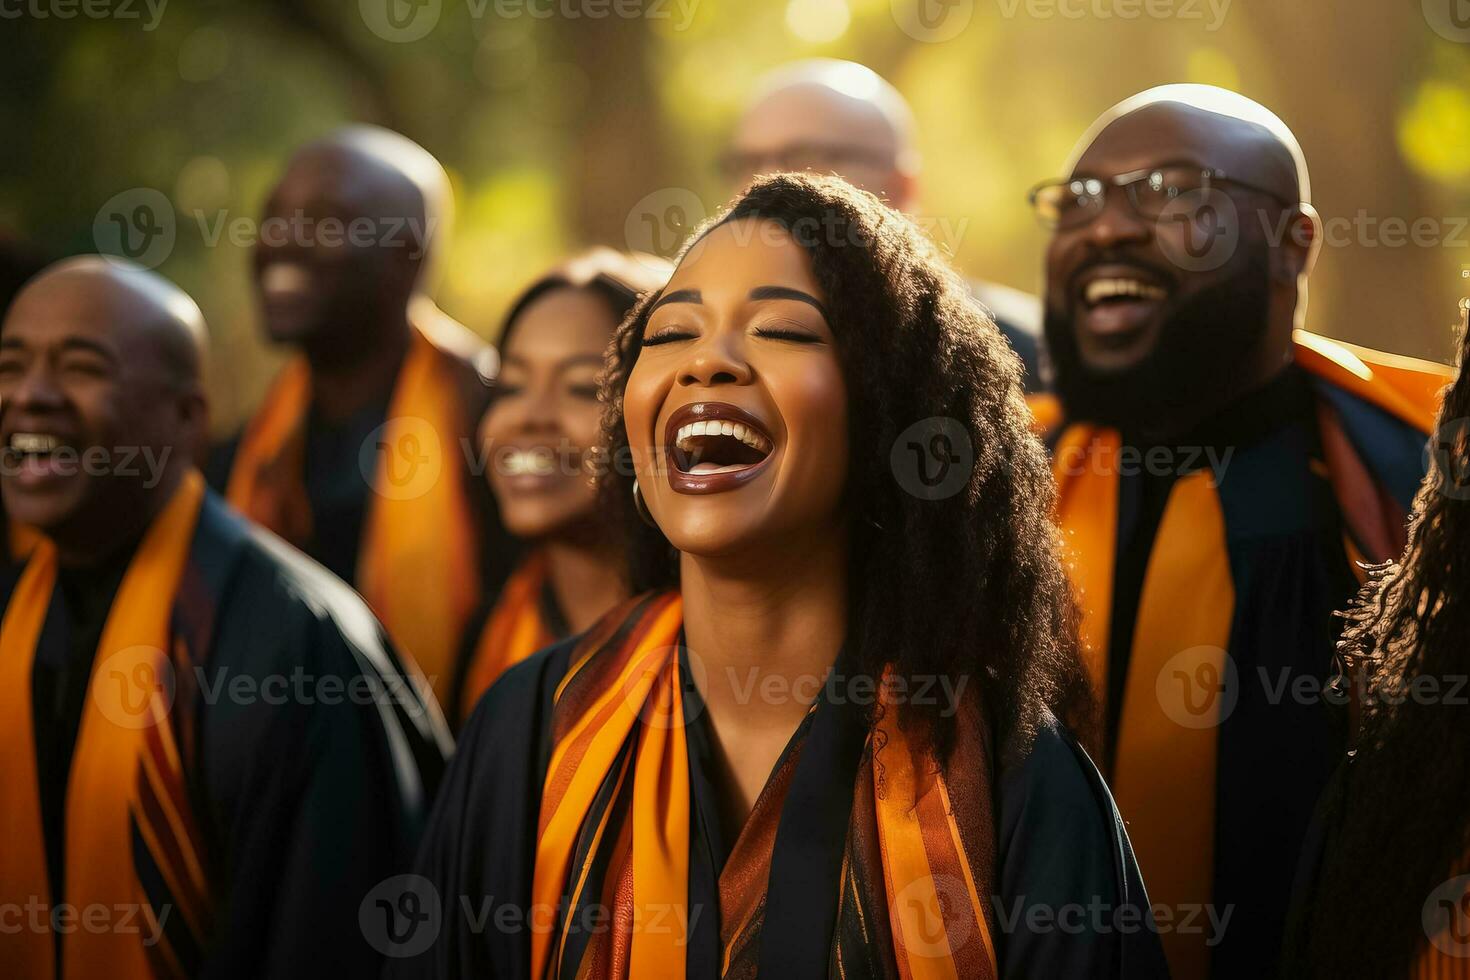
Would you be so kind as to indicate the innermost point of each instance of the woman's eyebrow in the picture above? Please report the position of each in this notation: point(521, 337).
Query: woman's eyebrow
point(677, 296)
point(786, 292)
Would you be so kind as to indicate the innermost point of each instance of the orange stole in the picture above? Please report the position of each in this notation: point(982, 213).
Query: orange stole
point(514, 631)
point(1164, 773)
point(417, 567)
point(627, 722)
point(126, 767)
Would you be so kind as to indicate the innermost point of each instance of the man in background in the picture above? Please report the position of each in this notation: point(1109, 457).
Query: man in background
point(1221, 474)
point(357, 454)
point(841, 118)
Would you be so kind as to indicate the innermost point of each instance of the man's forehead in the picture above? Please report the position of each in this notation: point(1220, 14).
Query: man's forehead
point(1171, 132)
point(813, 113)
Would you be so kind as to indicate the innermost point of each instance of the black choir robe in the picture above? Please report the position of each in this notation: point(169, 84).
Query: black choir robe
point(305, 803)
point(1061, 841)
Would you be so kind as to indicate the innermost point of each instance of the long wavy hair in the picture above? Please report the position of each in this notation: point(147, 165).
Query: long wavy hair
point(1397, 817)
point(970, 584)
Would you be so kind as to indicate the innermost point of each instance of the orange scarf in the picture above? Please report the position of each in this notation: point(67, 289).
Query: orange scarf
point(515, 630)
point(617, 794)
point(126, 772)
point(418, 567)
point(1185, 614)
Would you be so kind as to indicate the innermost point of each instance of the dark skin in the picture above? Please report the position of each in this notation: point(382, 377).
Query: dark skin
point(1119, 243)
point(763, 564)
point(343, 241)
point(102, 359)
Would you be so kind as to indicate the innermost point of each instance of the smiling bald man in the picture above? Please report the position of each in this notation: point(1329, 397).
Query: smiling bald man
point(358, 454)
point(212, 754)
point(1221, 473)
point(839, 117)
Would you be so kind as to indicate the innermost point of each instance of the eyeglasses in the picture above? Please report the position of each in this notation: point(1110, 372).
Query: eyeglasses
point(1076, 201)
point(801, 157)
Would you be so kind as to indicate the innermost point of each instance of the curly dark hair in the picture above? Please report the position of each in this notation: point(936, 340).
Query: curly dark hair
point(1395, 816)
point(966, 585)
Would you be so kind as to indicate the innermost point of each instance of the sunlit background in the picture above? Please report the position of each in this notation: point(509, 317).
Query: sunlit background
point(571, 122)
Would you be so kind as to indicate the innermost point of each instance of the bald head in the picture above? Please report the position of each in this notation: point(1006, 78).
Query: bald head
point(349, 235)
point(1205, 125)
point(829, 116)
point(101, 398)
point(149, 314)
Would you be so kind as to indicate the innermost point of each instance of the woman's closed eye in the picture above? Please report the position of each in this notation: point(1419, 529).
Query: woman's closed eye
point(668, 335)
point(791, 333)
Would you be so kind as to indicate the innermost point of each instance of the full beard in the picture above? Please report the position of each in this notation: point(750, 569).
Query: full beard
point(1207, 337)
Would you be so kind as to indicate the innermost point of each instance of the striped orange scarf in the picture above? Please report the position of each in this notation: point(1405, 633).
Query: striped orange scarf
point(418, 567)
point(515, 630)
point(127, 808)
point(1184, 619)
point(616, 807)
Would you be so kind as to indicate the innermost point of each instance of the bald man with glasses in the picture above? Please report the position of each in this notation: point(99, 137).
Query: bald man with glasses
point(1222, 474)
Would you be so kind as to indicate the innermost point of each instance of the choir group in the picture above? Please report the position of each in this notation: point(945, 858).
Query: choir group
point(795, 608)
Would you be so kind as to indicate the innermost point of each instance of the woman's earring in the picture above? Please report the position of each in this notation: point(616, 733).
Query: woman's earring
point(640, 506)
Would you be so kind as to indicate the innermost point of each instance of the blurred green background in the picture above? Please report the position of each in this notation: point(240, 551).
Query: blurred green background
point(566, 123)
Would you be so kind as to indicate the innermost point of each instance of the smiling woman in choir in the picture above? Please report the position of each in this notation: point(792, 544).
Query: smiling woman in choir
point(537, 440)
point(822, 739)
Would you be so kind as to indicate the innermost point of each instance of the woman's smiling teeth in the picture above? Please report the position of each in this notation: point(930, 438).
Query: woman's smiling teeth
point(719, 446)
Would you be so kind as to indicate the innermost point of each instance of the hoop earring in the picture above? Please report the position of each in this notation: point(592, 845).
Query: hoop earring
point(640, 506)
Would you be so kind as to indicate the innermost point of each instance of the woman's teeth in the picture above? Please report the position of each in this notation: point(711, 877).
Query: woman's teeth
point(522, 463)
point(721, 427)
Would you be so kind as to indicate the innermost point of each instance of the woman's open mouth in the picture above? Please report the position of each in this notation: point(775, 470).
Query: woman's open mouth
point(714, 446)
